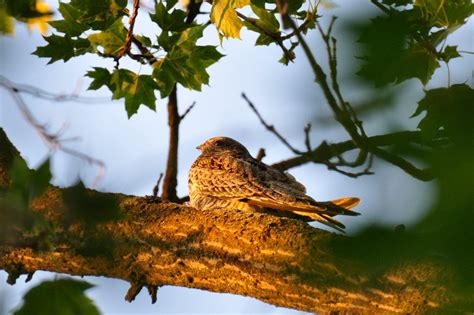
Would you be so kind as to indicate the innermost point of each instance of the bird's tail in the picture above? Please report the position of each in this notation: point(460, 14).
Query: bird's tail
point(322, 211)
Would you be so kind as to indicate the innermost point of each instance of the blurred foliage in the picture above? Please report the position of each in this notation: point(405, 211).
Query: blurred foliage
point(89, 207)
point(34, 13)
point(15, 212)
point(407, 41)
point(62, 296)
point(449, 109)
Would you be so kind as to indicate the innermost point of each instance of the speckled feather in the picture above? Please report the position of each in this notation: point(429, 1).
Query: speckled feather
point(225, 175)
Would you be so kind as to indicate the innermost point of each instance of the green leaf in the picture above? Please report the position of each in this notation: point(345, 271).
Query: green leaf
point(267, 20)
point(263, 40)
point(112, 40)
point(392, 59)
point(443, 14)
point(449, 53)
point(70, 24)
point(100, 76)
point(63, 296)
point(225, 18)
point(100, 14)
point(451, 109)
point(136, 89)
point(62, 48)
point(173, 22)
point(186, 62)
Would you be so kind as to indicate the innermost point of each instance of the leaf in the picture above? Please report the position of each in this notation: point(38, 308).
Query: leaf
point(391, 59)
point(112, 40)
point(62, 48)
point(63, 296)
point(100, 14)
point(70, 24)
point(449, 108)
point(136, 89)
point(225, 18)
point(174, 21)
point(267, 20)
point(186, 62)
point(450, 52)
point(100, 76)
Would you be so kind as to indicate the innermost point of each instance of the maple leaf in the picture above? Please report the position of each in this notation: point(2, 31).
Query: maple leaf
point(225, 18)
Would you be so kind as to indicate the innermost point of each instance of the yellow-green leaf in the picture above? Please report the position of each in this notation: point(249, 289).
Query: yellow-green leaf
point(225, 18)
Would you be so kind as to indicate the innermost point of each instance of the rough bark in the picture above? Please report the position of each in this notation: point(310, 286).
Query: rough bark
point(277, 260)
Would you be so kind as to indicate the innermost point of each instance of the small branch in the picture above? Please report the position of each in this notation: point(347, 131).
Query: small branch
point(270, 128)
point(290, 55)
point(187, 111)
point(156, 188)
point(170, 181)
point(52, 141)
point(325, 151)
point(261, 154)
point(129, 39)
point(133, 291)
point(424, 175)
point(381, 6)
point(301, 29)
point(193, 10)
point(55, 97)
point(153, 291)
point(145, 53)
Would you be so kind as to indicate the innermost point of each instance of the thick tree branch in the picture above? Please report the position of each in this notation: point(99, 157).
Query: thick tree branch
point(170, 181)
point(278, 260)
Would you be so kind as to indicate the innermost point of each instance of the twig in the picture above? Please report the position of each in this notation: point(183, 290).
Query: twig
point(290, 55)
point(129, 38)
point(56, 97)
point(52, 141)
point(186, 112)
point(261, 154)
point(424, 175)
point(326, 151)
point(156, 188)
point(270, 128)
point(300, 29)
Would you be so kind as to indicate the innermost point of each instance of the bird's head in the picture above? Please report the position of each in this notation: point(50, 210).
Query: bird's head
point(223, 145)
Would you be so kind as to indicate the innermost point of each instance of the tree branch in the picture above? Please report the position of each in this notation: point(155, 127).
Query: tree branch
point(327, 151)
point(280, 261)
point(170, 181)
point(130, 37)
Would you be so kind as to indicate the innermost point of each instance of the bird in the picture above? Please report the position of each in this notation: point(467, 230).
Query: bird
point(225, 175)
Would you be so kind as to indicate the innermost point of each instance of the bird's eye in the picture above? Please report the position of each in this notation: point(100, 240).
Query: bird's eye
point(218, 143)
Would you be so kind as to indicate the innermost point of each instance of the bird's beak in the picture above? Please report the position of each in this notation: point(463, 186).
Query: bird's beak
point(199, 147)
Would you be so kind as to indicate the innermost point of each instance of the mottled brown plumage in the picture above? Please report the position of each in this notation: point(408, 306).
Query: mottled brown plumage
point(225, 175)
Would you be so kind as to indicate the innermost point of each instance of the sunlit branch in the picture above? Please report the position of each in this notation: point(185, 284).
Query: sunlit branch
point(129, 38)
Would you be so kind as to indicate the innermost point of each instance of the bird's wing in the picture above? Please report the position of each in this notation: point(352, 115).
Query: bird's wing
point(261, 185)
